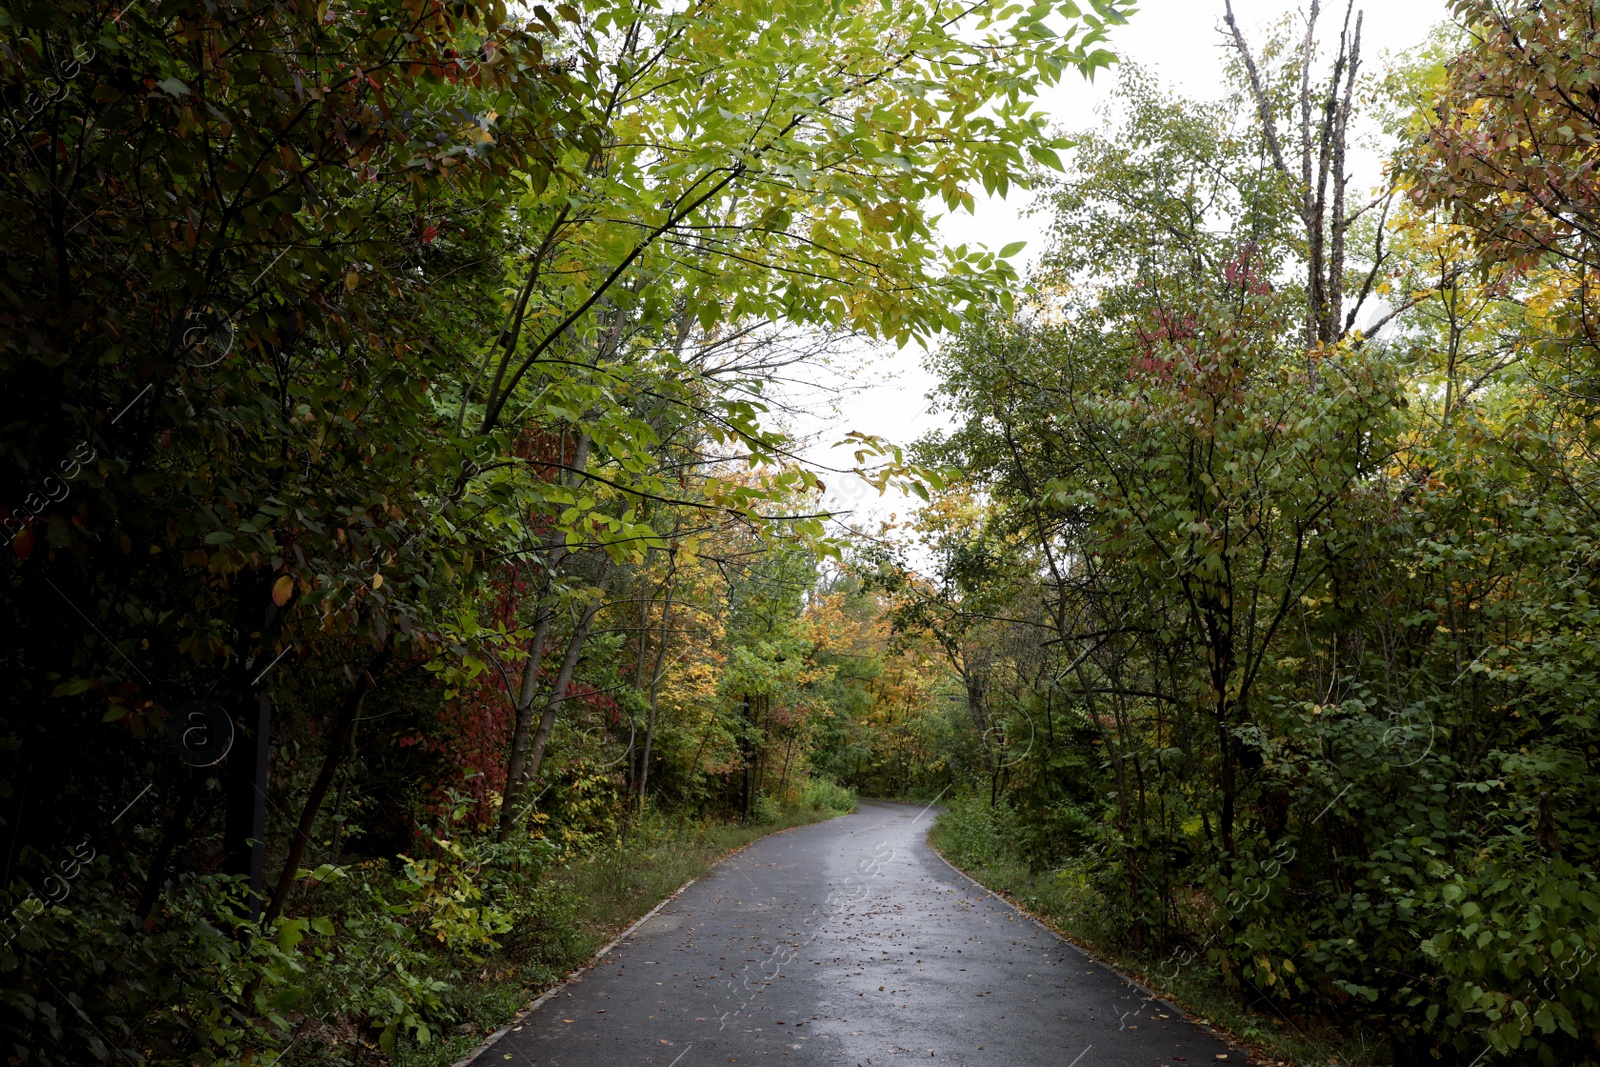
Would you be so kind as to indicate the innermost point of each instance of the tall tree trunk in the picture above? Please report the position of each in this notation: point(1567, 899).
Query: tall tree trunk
point(517, 761)
point(694, 764)
point(1337, 220)
point(1325, 224)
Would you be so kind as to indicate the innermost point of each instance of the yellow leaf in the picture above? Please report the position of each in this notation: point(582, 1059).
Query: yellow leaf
point(351, 280)
point(282, 590)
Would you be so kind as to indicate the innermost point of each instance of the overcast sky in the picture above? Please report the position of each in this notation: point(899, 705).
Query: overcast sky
point(1180, 43)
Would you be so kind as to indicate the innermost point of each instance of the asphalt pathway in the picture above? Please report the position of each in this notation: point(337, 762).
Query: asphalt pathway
point(849, 942)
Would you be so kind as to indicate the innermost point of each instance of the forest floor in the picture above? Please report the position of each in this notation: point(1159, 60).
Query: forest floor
point(1272, 1036)
point(612, 887)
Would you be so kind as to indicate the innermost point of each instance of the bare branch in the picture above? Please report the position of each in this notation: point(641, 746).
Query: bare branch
point(1256, 89)
point(1337, 220)
point(1378, 258)
point(1406, 305)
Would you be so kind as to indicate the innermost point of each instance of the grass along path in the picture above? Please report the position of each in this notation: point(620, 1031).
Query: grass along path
point(611, 889)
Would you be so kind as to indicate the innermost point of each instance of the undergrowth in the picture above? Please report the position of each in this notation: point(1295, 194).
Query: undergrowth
point(596, 897)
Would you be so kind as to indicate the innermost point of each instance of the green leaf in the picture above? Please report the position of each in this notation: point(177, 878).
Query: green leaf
point(290, 933)
point(1047, 156)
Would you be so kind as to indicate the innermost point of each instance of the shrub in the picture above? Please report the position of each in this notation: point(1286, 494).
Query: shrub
point(824, 794)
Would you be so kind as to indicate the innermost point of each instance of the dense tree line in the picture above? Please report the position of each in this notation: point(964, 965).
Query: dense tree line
point(1284, 492)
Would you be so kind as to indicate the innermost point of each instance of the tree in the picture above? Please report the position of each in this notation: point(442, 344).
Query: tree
point(1317, 186)
point(1325, 605)
point(1508, 139)
point(798, 196)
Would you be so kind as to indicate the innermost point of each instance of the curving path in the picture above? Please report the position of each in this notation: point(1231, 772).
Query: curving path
point(848, 942)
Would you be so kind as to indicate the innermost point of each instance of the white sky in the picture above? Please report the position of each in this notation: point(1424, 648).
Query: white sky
point(1179, 42)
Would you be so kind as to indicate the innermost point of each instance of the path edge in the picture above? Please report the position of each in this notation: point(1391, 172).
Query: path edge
point(1050, 927)
point(589, 964)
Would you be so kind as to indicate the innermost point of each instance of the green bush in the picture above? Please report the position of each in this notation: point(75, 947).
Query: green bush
point(765, 809)
point(824, 794)
point(968, 832)
point(86, 977)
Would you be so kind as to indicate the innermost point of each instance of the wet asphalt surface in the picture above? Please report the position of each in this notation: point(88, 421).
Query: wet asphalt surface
point(849, 942)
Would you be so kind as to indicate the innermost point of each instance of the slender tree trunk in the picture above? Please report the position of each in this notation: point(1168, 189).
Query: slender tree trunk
point(338, 801)
point(338, 826)
point(694, 764)
point(336, 753)
point(1229, 750)
point(783, 780)
point(655, 683)
point(1221, 652)
point(518, 760)
point(558, 692)
point(169, 843)
point(642, 649)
